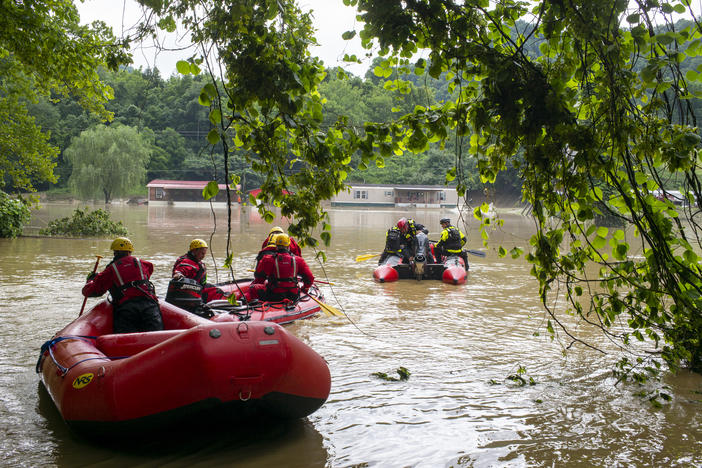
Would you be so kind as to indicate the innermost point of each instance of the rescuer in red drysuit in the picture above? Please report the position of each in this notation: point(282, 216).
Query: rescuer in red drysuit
point(134, 301)
point(276, 275)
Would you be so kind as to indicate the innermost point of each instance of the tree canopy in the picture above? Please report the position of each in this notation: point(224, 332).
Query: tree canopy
point(594, 125)
point(45, 51)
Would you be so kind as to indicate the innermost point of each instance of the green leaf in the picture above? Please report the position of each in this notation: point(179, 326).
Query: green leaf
point(210, 89)
point(204, 99)
point(690, 257)
point(348, 35)
point(215, 116)
point(167, 24)
point(213, 136)
point(211, 190)
point(451, 174)
point(183, 67)
point(599, 242)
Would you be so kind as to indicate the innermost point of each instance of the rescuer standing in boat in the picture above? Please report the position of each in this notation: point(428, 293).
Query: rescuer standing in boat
point(451, 242)
point(276, 275)
point(396, 242)
point(190, 266)
point(134, 302)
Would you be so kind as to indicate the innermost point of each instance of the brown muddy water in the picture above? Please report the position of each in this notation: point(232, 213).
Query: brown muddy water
point(460, 344)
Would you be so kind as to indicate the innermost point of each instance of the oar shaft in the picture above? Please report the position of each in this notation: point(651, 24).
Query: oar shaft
point(85, 299)
point(477, 253)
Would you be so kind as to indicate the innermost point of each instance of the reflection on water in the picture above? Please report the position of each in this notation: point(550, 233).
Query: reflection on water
point(459, 342)
point(265, 443)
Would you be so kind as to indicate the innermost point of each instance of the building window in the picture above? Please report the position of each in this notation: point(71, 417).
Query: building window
point(388, 193)
point(442, 195)
point(360, 194)
point(159, 193)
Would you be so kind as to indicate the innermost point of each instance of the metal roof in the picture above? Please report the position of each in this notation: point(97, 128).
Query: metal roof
point(182, 184)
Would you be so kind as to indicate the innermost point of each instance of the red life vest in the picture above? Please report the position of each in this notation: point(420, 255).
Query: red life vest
point(280, 271)
point(126, 278)
point(191, 268)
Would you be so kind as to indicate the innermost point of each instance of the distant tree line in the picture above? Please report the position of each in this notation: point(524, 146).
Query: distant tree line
point(173, 124)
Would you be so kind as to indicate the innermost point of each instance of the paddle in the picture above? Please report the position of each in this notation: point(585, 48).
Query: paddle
point(361, 258)
point(477, 253)
point(85, 299)
point(329, 310)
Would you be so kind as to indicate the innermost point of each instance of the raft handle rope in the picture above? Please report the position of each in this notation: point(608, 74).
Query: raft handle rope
point(49, 345)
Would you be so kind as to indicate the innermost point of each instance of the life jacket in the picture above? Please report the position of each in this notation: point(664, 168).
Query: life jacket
point(284, 279)
point(270, 249)
point(393, 240)
point(131, 280)
point(453, 241)
point(413, 228)
point(191, 268)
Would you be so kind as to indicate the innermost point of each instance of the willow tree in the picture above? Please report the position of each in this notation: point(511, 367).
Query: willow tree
point(108, 161)
point(601, 120)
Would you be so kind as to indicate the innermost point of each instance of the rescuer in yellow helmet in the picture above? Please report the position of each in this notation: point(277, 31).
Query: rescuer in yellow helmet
point(134, 302)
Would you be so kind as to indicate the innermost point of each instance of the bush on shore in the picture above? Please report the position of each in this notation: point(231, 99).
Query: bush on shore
point(14, 214)
point(85, 223)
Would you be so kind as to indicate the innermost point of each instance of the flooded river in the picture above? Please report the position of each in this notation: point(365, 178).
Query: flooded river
point(460, 344)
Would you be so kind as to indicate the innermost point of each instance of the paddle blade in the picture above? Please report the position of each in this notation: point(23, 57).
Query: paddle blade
point(363, 257)
point(477, 253)
point(327, 309)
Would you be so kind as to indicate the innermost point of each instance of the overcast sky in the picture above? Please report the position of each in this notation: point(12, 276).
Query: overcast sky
point(332, 18)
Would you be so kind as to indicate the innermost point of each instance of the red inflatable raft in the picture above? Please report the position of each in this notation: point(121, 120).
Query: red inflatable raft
point(390, 269)
point(279, 312)
point(117, 384)
point(451, 271)
point(454, 270)
point(282, 312)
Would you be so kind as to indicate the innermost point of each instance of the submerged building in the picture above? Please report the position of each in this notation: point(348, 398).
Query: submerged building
point(400, 196)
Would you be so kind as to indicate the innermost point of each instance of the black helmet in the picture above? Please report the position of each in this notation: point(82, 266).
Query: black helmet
point(444, 220)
